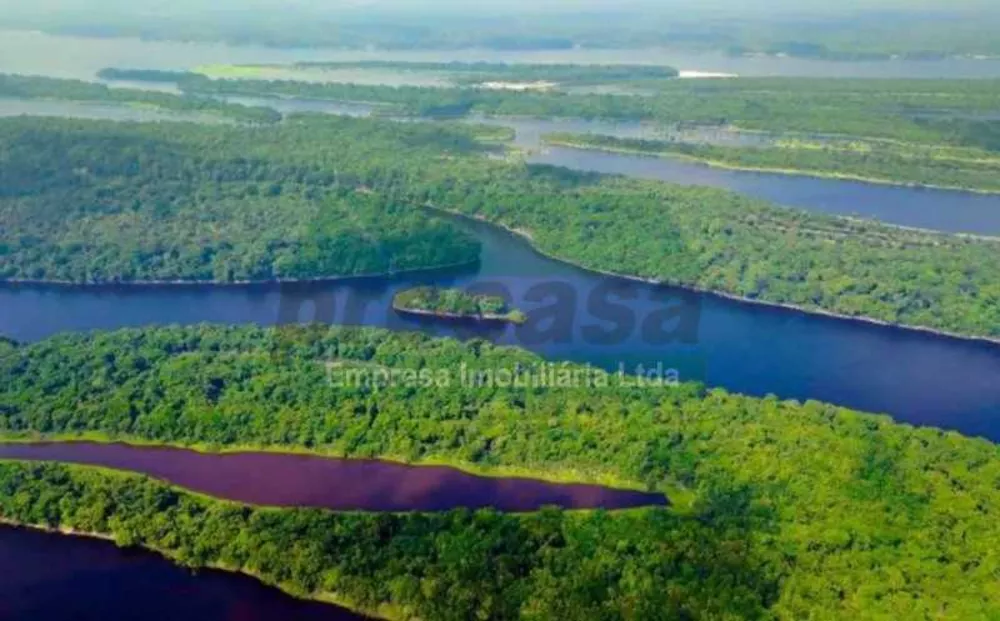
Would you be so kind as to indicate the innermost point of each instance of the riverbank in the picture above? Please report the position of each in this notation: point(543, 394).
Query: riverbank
point(798, 172)
point(675, 492)
point(507, 318)
point(385, 612)
point(238, 283)
point(527, 236)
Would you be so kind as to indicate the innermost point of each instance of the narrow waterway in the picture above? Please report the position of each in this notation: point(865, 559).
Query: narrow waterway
point(289, 480)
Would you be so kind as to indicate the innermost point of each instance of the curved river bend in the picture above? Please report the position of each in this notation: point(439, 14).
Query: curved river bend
point(747, 348)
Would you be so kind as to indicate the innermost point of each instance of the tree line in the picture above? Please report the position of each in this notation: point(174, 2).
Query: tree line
point(781, 509)
point(696, 237)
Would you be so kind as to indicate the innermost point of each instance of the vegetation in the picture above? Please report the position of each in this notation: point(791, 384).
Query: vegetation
point(452, 566)
point(696, 237)
point(472, 73)
point(456, 303)
point(922, 111)
point(882, 162)
point(793, 510)
point(88, 206)
point(24, 87)
point(141, 75)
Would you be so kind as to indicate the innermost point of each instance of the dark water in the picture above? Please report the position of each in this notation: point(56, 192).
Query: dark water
point(940, 210)
point(746, 348)
point(286, 480)
point(48, 577)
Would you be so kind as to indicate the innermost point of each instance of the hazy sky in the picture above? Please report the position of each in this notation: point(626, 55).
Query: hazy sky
point(466, 6)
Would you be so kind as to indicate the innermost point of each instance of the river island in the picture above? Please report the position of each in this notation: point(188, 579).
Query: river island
point(455, 304)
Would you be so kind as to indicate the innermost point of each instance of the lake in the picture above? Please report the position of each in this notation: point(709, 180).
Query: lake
point(747, 348)
point(50, 576)
point(287, 480)
point(81, 57)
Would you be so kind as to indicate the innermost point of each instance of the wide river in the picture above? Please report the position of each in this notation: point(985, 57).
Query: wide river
point(746, 348)
point(81, 57)
point(916, 377)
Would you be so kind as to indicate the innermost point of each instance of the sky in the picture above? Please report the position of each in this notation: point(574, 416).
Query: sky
point(465, 6)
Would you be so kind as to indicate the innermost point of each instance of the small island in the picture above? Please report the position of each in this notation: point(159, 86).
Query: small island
point(455, 304)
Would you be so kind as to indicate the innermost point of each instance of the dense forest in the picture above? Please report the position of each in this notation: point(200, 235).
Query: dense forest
point(697, 237)
point(783, 510)
point(112, 217)
point(32, 87)
point(949, 112)
point(888, 163)
point(456, 303)
point(478, 72)
point(461, 565)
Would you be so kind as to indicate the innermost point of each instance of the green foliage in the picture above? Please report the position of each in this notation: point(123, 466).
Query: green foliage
point(455, 302)
point(31, 87)
point(926, 111)
point(478, 72)
point(798, 510)
point(92, 207)
point(697, 237)
point(874, 161)
point(452, 566)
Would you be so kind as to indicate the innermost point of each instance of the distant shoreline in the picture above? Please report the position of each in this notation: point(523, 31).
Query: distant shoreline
point(798, 172)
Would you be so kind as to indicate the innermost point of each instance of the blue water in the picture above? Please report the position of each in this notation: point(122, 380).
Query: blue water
point(758, 350)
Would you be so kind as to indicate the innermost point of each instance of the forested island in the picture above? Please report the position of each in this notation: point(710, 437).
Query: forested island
point(33, 87)
point(940, 167)
point(68, 192)
point(455, 304)
point(782, 509)
point(938, 112)
point(458, 73)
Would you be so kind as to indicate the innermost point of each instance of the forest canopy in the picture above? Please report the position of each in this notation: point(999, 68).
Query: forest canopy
point(782, 509)
point(696, 237)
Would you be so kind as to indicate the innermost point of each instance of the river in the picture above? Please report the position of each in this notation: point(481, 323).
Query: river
point(918, 378)
point(49, 576)
point(949, 211)
point(746, 348)
point(81, 57)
